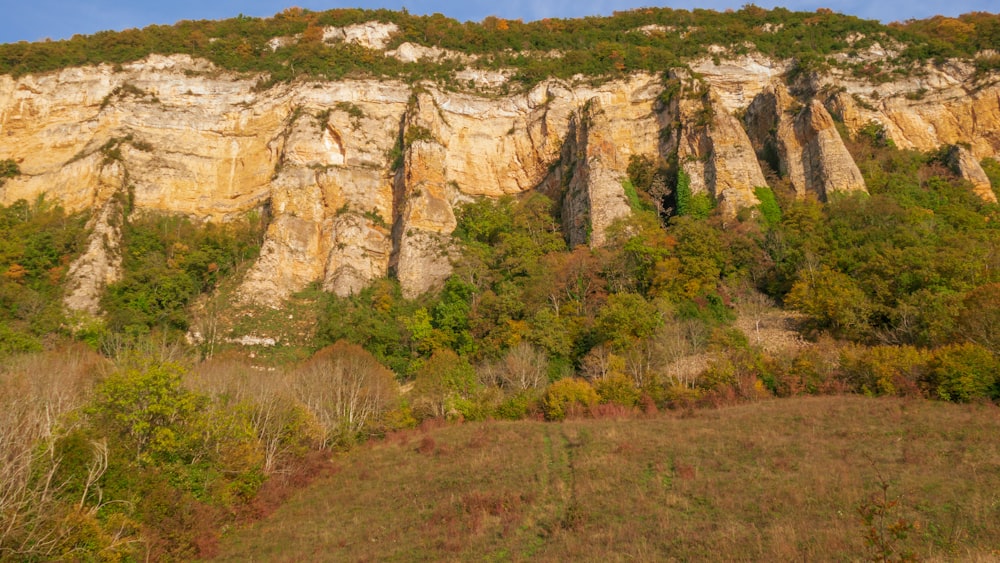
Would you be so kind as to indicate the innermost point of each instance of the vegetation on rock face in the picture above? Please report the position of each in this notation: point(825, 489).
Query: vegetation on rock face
point(37, 243)
point(168, 260)
point(645, 39)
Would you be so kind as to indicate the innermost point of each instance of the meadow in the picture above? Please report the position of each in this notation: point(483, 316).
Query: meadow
point(841, 478)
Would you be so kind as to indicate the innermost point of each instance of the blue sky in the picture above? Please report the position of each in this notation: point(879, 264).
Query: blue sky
point(33, 20)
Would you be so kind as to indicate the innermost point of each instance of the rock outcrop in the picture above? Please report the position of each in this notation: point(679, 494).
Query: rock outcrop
point(966, 166)
point(595, 196)
point(715, 153)
point(736, 82)
point(100, 263)
point(938, 105)
point(804, 142)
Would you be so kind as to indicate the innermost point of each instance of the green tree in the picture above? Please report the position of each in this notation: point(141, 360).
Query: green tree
point(150, 412)
point(626, 319)
point(964, 372)
point(979, 321)
point(833, 301)
point(440, 380)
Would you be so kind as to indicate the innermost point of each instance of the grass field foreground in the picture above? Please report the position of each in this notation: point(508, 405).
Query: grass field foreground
point(778, 480)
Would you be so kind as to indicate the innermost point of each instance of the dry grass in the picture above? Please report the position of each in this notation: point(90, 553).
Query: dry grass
point(773, 481)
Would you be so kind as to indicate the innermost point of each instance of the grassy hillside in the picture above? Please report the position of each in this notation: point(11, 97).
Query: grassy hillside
point(770, 481)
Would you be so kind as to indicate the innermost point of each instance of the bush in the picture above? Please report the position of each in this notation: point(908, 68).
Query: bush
point(769, 209)
point(617, 389)
point(479, 405)
point(8, 169)
point(347, 390)
point(518, 406)
point(568, 396)
point(885, 370)
point(811, 371)
point(441, 380)
point(964, 373)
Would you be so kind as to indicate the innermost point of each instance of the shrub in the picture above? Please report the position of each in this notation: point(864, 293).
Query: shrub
point(479, 405)
point(440, 380)
point(769, 209)
point(683, 193)
point(8, 169)
point(518, 406)
point(808, 372)
point(568, 396)
point(963, 373)
point(348, 390)
point(885, 370)
point(617, 389)
point(150, 412)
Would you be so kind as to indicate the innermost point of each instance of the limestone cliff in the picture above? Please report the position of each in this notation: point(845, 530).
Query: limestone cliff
point(595, 195)
point(101, 261)
point(966, 166)
point(715, 152)
point(809, 150)
point(362, 178)
point(940, 105)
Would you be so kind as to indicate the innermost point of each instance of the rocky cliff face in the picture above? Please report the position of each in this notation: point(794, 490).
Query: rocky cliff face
point(714, 150)
point(966, 166)
point(805, 142)
point(362, 178)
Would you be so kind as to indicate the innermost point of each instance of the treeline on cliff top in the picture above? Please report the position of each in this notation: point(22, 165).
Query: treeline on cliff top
point(591, 46)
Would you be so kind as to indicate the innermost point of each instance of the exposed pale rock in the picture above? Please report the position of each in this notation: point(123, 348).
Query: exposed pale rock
point(966, 165)
point(810, 152)
point(250, 340)
point(412, 52)
point(735, 82)
point(333, 189)
point(360, 253)
point(715, 153)
point(373, 35)
point(422, 258)
point(100, 264)
point(484, 78)
point(319, 157)
point(287, 260)
point(276, 43)
point(611, 127)
point(594, 196)
point(827, 167)
point(653, 29)
point(940, 105)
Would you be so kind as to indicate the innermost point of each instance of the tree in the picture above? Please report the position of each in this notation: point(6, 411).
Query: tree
point(833, 300)
point(627, 318)
point(755, 306)
point(979, 321)
point(150, 411)
point(347, 389)
point(964, 372)
point(442, 378)
point(524, 367)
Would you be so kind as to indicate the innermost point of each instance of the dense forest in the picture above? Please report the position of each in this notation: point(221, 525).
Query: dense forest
point(122, 439)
